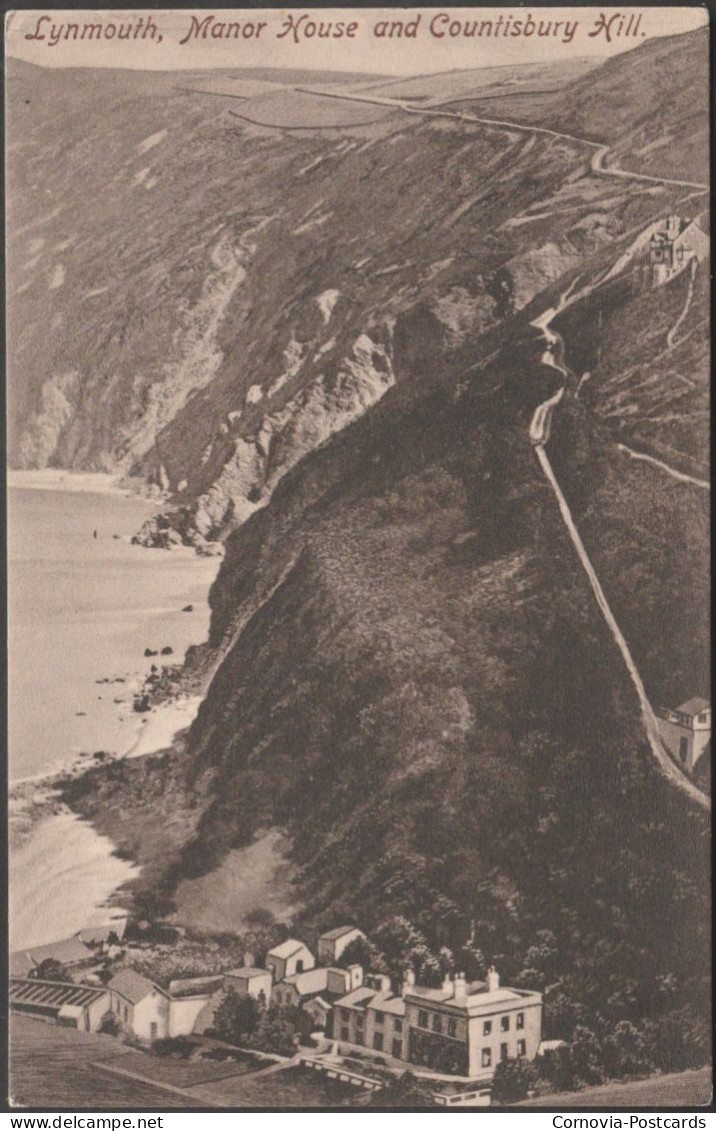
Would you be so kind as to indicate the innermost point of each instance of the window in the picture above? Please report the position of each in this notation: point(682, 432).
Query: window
point(153, 1031)
point(486, 1058)
point(520, 1021)
point(683, 749)
point(522, 1048)
point(299, 966)
point(702, 717)
point(437, 1023)
point(504, 1024)
point(486, 1028)
point(345, 1035)
point(452, 1027)
point(345, 1015)
point(379, 1017)
point(378, 1041)
point(397, 1049)
point(503, 1051)
point(398, 1025)
point(423, 1019)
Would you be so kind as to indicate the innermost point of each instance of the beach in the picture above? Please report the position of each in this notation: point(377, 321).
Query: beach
point(84, 605)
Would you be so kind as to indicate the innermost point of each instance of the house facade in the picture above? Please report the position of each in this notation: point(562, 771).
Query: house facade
point(331, 944)
point(686, 730)
point(462, 1028)
point(330, 981)
point(290, 957)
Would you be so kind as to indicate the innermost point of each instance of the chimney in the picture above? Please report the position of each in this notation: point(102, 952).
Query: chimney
point(460, 985)
point(493, 980)
point(447, 984)
point(248, 958)
point(408, 982)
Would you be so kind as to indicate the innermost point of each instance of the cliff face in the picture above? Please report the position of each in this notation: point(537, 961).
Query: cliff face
point(200, 301)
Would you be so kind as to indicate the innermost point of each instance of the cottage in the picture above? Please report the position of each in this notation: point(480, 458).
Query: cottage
point(686, 731)
point(290, 957)
point(332, 944)
point(65, 1003)
point(141, 1006)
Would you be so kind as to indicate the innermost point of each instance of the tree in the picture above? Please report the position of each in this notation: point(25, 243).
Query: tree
point(50, 970)
point(626, 1051)
point(586, 1056)
point(513, 1079)
point(363, 952)
point(236, 1017)
point(277, 1031)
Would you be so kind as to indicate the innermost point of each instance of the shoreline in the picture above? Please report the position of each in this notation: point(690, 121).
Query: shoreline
point(68, 865)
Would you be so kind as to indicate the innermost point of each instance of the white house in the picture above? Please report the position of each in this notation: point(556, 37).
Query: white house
point(290, 957)
point(140, 1005)
point(673, 245)
point(332, 943)
point(686, 731)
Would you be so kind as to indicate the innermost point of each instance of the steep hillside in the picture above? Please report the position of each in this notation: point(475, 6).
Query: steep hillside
point(180, 317)
point(648, 105)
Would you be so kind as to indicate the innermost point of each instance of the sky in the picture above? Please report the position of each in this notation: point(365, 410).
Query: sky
point(426, 52)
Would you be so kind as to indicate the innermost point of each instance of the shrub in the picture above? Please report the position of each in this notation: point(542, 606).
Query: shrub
point(513, 1079)
point(110, 1024)
point(173, 1046)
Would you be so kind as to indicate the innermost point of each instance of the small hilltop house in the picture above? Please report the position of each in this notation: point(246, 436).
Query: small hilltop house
point(673, 245)
point(686, 730)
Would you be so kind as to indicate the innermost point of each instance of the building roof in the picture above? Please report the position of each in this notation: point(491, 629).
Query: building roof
point(132, 986)
point(64, 950)
point(286, 949)
point(32, 991)
point(388, 1003)
point(248, 972)
point(310, 981)
point(337, 933)
point(693, 706)
point(357, 999)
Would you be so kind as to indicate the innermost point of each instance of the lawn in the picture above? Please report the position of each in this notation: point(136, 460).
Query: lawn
point(183, 1073)
point(679, 1089)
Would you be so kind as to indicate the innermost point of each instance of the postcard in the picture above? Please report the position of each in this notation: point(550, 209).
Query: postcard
point(358, 526)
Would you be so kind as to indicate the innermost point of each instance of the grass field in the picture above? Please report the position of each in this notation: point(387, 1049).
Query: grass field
point(292, 1087)
point(52, 1067)
point(680, 1089)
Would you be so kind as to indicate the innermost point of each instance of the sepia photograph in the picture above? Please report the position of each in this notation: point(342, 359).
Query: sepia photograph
point(358, 558)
